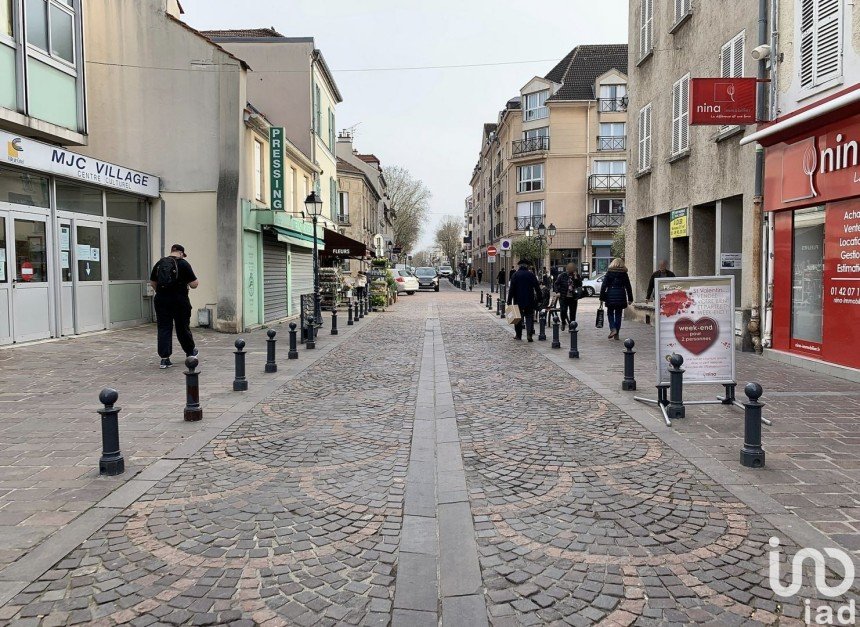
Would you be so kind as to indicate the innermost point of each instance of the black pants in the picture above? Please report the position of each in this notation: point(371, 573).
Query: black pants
point(528, 315)
point(567, 306)
point(170, 311)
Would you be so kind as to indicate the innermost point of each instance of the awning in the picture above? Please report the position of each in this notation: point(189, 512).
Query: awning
point(337, 245)
point(289, 236)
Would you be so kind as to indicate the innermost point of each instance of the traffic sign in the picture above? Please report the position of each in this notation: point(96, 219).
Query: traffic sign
point(491, 251)
point(505, 244)
point(491, 259)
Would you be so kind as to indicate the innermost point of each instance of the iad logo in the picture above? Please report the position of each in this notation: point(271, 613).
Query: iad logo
point(823, 614)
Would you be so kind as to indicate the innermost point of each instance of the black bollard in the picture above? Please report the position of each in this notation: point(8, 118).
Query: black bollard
point(542, 326)
point(482, 296)
point(489, 302)
point(240, 383)
point(349, 322)
point(368, 306)
point(334, 320)
point(500, 307)
point(752, 454)
point(556, 342)
point(676, 408)
point(573, 353)
point(271, 365)
point(193, 412)
point(463, 285)
point(293, 353)
point(355, 313)
point(111, 463)
point(362, 308)
point(311, 342)
point(629, 383)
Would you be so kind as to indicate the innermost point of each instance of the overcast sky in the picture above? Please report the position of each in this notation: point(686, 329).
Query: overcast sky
point(428, 120)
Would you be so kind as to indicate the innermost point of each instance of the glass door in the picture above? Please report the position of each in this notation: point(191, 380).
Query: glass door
point(88, 277)
point(30, 296)
point(5, 283)
point(67, 284)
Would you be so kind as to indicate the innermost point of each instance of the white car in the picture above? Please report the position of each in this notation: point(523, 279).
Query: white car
point(445, 271)
point(592, 286)
point(406, 282)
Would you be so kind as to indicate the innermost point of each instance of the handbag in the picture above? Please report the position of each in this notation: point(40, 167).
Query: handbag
point(578, 293)
point(598, 322)
point(512, 314)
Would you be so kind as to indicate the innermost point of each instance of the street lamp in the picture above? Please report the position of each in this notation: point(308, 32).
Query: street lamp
point(313, 205)
point(390, 249)
point(544, 234)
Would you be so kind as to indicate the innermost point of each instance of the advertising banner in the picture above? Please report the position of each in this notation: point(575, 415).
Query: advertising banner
point(722, 101)
point(678, 223)
point(695, 319)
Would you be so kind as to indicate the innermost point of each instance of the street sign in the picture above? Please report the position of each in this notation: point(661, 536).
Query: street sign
point(505, 244)
point(491, 259)
point(722, 101)
point(491, 251)
point(396, 250)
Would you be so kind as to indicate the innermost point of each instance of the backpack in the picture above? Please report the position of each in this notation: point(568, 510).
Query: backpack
point(167, 273)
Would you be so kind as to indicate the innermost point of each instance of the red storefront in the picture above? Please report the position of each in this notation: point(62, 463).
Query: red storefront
point(812, 188)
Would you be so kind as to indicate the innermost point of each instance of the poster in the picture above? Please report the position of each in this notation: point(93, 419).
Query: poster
point(64, 259)
point(82, 252)
point(678, 223)
point(695, 318)
point(731, 261)
point(65, 232)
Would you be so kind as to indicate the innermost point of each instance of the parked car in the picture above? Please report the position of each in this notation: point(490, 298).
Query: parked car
point(445, 271)
point(592, 286)
point(428, 278)
point(406, 282)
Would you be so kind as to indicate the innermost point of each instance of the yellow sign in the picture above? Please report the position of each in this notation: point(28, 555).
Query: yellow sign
point(678, 223)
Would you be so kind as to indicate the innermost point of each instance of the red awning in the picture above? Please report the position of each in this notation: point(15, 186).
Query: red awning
point(337, 245)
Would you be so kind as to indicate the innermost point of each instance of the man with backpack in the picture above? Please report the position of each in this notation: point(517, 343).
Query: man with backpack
point(170, 278)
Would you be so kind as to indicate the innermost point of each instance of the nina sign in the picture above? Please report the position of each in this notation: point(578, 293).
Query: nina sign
point(722, 101)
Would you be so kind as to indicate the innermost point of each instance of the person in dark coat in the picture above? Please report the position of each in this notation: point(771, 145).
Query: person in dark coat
point(568, 286)
point(616, 293)
point(525, 293)
point(661, 272)
point(501, 277)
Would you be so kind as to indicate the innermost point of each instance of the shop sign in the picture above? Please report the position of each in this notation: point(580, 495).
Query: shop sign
point(35, 155)
point(722, 101)
point(341, 251)
point(276, 168)
point(696, 321)
point(814, 169)
point(731, 261)
point(678, 223)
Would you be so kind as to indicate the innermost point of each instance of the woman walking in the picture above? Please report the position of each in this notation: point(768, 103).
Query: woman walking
point(568, 285)
point(616, 293)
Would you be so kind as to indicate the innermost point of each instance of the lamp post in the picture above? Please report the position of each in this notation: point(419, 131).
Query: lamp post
point(313, 205)
point(390, 248)
point(545, 234)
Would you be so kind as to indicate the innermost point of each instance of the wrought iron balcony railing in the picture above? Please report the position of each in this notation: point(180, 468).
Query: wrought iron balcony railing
point(526, 146)
point(611, 105)
point(523, 222)
point(498, 201)
point(342, 218)
point(607, 182)
point(605, 220)
point(611, 142)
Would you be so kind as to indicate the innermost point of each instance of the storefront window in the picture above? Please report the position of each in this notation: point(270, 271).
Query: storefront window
point(126, 207)
point(807, 275)
point(31, 251)
point(564, 256)
point(23, 188)
point(79, 199)
point(127, 246)
point(601, 258)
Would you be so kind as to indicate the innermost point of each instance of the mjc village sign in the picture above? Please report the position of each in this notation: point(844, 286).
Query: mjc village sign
point(722, 101)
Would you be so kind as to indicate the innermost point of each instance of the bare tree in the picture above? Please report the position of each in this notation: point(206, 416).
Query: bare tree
point(449, 237)
point(422, 258)
point(410, 200)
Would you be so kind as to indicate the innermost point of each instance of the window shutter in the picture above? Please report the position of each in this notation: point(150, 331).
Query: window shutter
point(828, 36)
point(726, 60)
point(648, 136)
point(807, 42)
point(684, 141)
point(646, 13)
point(676, 104)
point(738, 54)
point(679, 9)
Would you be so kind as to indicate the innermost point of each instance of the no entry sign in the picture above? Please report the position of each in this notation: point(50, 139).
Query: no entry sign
point(491, 251)
point(722, 101)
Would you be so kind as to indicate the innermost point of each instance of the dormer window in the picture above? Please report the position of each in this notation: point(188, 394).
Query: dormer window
point(534, 105)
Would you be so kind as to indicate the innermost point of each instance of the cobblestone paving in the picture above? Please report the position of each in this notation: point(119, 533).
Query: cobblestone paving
point(290, 517)
point(582, 515)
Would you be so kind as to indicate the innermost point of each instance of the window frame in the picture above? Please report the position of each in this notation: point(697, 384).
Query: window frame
point(729, 52)
point(11, 39)
point(646, 28)
point(623, 163)
point(645, 138)
point(331, 134)
point(259, 185)
point(343, 204)
point(683, 8)
point(681, 116)
point(526, 185)
point(598, 201)
point(539, 112)
point(48, 56)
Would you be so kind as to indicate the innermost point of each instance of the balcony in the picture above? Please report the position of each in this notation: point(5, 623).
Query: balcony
point(521, 147)
point(607, 182)
point(523, 222)
point(605, 220)
point(342, 218)
point(612, 105)
point(612, 142)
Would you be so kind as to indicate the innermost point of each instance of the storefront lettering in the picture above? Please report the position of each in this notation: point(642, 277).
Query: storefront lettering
point(836, 158)
point(104, 172)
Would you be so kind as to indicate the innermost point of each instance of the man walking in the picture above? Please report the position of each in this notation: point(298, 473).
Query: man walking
point(170, 278)
point(525, 293)
point(661, 272)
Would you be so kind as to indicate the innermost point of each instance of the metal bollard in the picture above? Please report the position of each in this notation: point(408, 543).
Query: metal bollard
point(542, 326)
point(311, 342)
point(293, 352)
point(489, 302)
point(271, 365)
point(482, 296)
point(349, 322)
point(355, 315)
point(752, 454)
point(676, 408)
point(500, 309)
point(556, 342)
point(629, 383)
point(573, 353)
point(362, 308)
point(240, 383)
point(368, 304)
point(193, 412)
point(334, 320)
point(111, 463)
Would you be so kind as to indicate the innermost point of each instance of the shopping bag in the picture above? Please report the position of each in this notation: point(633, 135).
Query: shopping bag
point(512, 314)
point(598, 322)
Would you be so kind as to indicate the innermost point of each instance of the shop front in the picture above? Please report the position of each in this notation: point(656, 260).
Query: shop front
point(74, 242)
point(812, 193)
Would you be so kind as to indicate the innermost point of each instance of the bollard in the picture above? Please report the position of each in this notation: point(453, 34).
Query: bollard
point(193, 412)
point(752, 454)
point(482, 296)
point(293, 352)
point(361, 308)
point(573, 353)
point(489, 302)
point(463, 285)
point(334, 320)
point(500, 307)
point(556, 342)
point(542, 326)
point(271, 366)
point(369, 302)
point(355, 313)
point(676, 407)
point(111, 463)
point(629, 383)
point(349, 322)
point(311, 342)
point(240, 383)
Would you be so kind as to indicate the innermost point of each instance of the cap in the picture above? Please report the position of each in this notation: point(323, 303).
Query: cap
point(178, 248)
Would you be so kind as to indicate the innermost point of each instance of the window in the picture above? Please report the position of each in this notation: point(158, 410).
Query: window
point(24, 188)
point(644, 138)
point(6, 17)
point(534, 105)
point(530, 178)
point(317, 111)
point(612, 98)
point(126, 207)
point(681, 116)
point(79, 199)
point(820, 41)
point(612, 129)
point(332, 196)
point(258, 170)
point(295, 190)
point(610, 167)
point(529, 213)
point(50, 27)
point(127, 246)
point(732, 57)
point(807, 292)
point(343, 214)
point(646, 27)
point(608, 205)
point(682, 9)
point(534, 133)
point(611, 136)
point(331, 137)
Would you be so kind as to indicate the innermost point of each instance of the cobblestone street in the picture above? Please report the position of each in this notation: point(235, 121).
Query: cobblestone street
point(429, 468)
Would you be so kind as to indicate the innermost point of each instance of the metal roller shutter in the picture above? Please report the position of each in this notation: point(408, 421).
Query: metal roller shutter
point(302, 272)
point(274, 278)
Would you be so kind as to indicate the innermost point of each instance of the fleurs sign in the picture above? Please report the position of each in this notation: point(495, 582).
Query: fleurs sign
point(695, 320)
point(722, 101)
